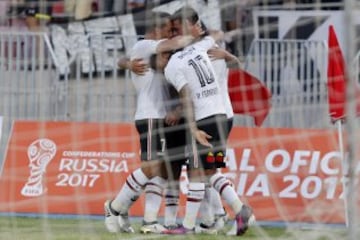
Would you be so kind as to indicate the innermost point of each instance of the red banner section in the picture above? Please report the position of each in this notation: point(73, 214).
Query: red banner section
point(288, 174)
point(66, 168)
point(72, 168)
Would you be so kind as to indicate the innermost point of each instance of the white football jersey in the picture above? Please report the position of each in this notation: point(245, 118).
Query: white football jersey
point(149, 88)
point(192, 66)
point(222, 71)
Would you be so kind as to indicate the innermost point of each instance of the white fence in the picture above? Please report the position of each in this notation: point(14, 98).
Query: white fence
point(296, 73)
point(36, 85)
point(33, 85)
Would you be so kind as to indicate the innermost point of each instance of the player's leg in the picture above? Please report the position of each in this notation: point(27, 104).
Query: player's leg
point(217, 208)
point(222, 185)
point(207, 219)
point(153, 198)
point(195, 195)
point(220, 215)
point(136, 181)
point(154, 188)
point(200, 161)
point(116, 210)
point(176, 142)
point(171, 196)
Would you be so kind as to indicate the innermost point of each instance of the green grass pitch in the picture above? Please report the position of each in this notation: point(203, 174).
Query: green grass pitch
point(29, 228)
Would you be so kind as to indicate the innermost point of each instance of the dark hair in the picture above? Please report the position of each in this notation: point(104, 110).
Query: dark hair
point(203, 26)
point(152, 61)
point(156, 19)
point(153, 58)
point(187, 13)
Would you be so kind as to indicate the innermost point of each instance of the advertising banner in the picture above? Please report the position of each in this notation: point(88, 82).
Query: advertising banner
point(292, 175)
point(66, 168)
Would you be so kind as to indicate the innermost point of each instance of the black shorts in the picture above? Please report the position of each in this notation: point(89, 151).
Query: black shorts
point(210, 158)
point(230, 122)
point(152, 139)
point(176, 141)
point(176, 145)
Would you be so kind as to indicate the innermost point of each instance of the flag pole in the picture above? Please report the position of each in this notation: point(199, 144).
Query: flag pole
point(344, 170)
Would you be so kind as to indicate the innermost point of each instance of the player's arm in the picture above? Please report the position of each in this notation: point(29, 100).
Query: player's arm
point(220, 53)
point(175, 108)
point(209, 38)
point(137, 65)
point(179, 41)
point(217, 35)
point(174, 43)
point(173, 116)
point(178, 80)
point(201, 136)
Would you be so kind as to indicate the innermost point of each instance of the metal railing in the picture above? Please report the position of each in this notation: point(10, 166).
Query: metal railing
point(295, 72)
point(36, 84)
point(84, 84)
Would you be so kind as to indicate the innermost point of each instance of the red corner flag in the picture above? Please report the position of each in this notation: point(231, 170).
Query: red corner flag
point(337, 79)
point(248, 95)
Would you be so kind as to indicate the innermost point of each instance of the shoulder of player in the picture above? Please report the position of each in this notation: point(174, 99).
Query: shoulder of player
point(205, 41)
point(175, 59)
point(142, 48)
point(145, 42)
point(173, 65)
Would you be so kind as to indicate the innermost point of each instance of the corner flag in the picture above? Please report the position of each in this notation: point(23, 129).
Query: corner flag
point(248, 95)
point(337, 80)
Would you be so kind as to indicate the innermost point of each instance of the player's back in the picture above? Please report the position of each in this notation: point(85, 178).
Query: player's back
point(193, 65)
point(149, 88)
point(222, 72)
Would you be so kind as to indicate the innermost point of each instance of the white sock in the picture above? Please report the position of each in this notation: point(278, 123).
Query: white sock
point(215, 202)
point(171, 206)
point(194, 197)
point(153, 196)
point(226, 191)
point(206, 211)
point(130, 191)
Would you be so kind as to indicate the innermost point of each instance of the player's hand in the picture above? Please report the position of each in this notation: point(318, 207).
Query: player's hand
point(202, 137)
point(216, 53)
point(172, 118)
point(138, 66)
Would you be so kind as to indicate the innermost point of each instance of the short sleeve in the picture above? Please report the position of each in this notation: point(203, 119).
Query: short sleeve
point(205, 44)
point(144, 48)
point(175, 77)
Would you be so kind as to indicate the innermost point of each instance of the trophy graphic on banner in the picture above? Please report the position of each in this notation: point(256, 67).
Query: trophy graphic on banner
point(40, 153)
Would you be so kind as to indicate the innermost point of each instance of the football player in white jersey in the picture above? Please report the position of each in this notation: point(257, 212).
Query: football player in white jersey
point(212, 211)
point(175, 134)
point(221, 60)
point(149, 118)
point(191, 73)
point(213, 214)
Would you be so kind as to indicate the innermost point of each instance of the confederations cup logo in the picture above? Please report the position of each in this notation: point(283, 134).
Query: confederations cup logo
point(40, 153)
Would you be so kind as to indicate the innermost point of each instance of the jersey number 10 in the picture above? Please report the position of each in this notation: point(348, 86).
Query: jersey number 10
point(202, 70)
